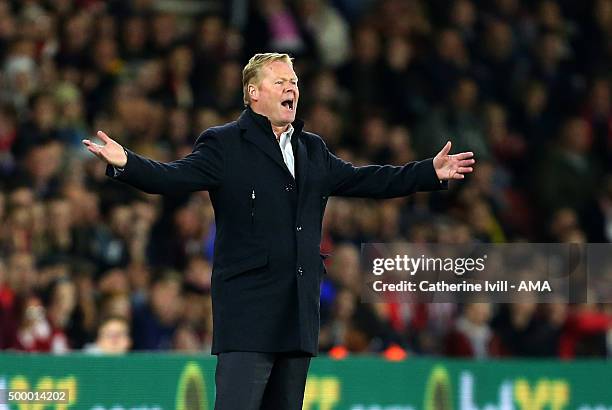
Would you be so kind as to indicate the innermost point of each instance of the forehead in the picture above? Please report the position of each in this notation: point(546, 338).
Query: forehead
point(113, 325)
point(278, 69)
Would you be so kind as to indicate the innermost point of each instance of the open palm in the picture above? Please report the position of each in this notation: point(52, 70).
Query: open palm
point(111, 152)
point(453, 166)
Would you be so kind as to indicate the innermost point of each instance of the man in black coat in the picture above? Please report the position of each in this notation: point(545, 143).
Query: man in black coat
point(269, 182)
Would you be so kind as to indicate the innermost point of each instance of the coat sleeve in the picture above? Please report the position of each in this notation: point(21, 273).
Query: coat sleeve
point(381, 181)
point(203, 169)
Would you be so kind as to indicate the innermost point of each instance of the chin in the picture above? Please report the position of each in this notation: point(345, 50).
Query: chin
point(289, 118)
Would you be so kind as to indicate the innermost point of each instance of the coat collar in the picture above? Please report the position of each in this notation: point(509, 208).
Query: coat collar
point(250, 117)
point(258, 129)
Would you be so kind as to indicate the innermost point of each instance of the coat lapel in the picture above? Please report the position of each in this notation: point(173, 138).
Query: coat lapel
point(261, 138)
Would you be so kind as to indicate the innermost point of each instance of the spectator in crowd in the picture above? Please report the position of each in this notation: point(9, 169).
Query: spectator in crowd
point(567, 174)
point(329, 30)
point(461, 119)
point(522, 332)
point(585, 332)
point(154, 322)
point(113, 337)
point(472, 335)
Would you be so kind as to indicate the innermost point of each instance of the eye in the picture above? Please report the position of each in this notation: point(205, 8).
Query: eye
point(278, 82)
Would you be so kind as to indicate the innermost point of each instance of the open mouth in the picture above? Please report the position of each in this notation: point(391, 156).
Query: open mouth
point(288, 104)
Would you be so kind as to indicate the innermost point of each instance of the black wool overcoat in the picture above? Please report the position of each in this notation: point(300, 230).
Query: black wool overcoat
point(267, 266)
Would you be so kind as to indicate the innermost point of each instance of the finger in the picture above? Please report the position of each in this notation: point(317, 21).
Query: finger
point(93, 150)
point(466, 162)
point(458, 176)
point(88, 143)
point(464, 155)
point(465, 170)
point(104, 137)
point(95, 147)
point(446, 149)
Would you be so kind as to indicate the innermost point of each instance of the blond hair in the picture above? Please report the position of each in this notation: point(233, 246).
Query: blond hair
point(251, 71)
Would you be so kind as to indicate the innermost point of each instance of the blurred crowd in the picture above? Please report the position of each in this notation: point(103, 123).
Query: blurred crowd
point(89, 264)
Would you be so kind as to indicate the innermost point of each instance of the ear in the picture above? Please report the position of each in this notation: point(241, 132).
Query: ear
point(253, 92)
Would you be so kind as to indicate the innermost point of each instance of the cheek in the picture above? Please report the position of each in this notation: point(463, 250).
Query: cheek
point(268, 96)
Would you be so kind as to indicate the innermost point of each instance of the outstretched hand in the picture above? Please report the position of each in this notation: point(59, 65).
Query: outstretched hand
point(452, 166)
point(111, 152)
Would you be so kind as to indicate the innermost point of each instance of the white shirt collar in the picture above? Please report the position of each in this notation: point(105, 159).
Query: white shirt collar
point(286, 136)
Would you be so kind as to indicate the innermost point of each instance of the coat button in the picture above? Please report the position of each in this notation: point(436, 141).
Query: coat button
point(300, 271)
point(299, 228)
